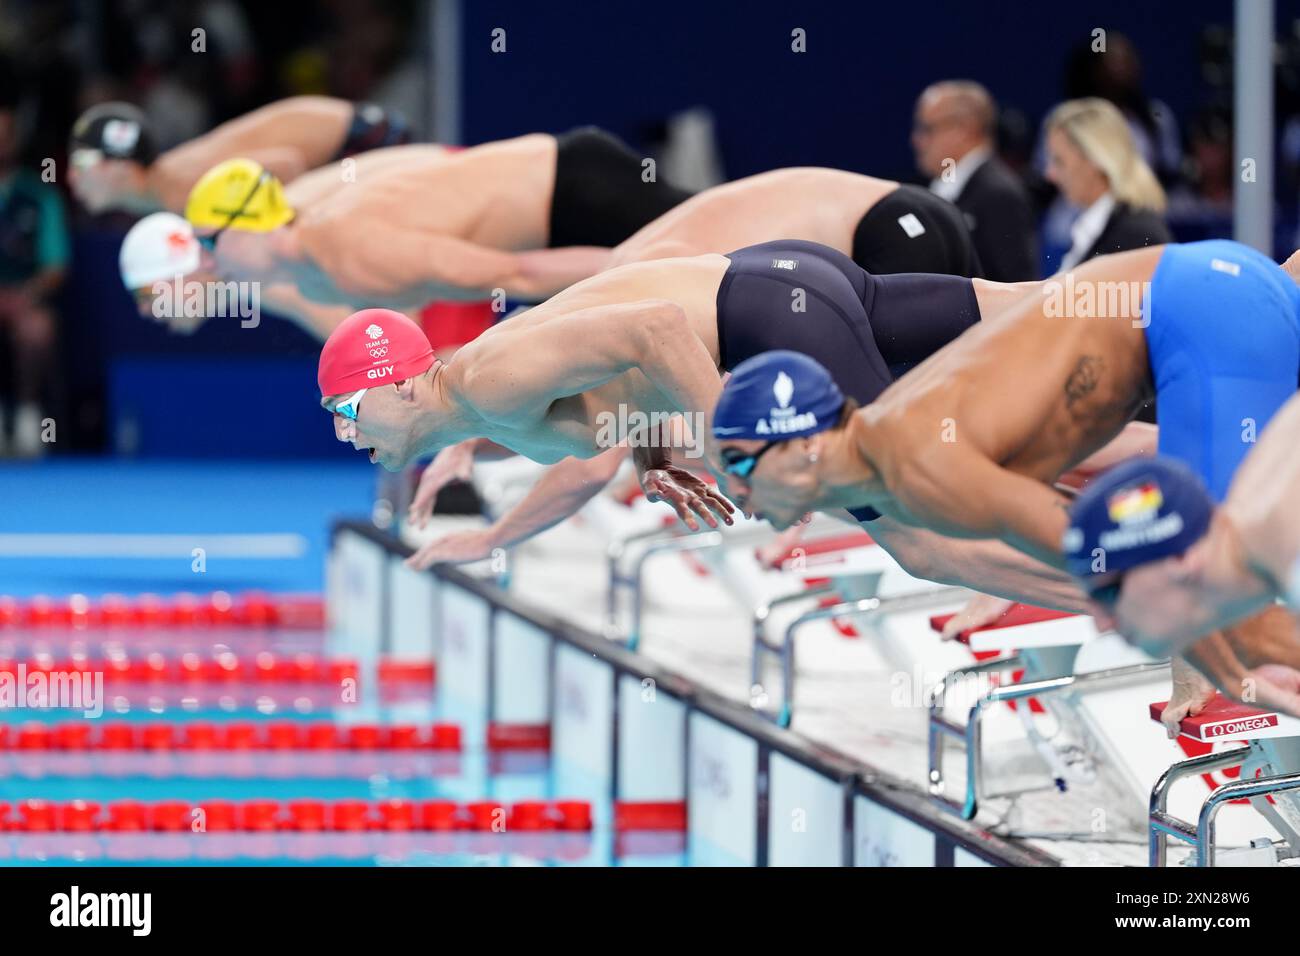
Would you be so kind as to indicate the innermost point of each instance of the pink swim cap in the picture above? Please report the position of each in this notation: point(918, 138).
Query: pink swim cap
point(372, 347)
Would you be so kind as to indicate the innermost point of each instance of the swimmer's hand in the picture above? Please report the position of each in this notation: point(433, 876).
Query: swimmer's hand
point(453, 463)
point(458, 547)
point(1277, 687)
point(979, 611)
point(1187, 697)
point(773, 552)
point(1269, 687)
point(1243, 661)
point(689, 495)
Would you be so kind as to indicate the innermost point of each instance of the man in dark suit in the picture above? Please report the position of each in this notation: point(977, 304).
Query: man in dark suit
point(952, 136)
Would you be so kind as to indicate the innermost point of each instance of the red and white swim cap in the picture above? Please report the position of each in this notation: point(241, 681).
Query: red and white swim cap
point(372, 347)
point(157, 249)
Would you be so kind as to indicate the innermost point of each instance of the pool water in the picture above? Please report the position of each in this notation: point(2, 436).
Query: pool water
point(392, 756)
point(134, 533)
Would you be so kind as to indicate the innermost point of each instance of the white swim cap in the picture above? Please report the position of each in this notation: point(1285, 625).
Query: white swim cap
point(158, 248)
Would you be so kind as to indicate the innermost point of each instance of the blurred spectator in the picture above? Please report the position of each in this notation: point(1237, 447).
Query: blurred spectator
point(1287, 108)
point(369, 57)
point(1093, 161)
point(33, 257)
point(1115, 74)
point(1206, 194)
point(193, 65)
point(952, 136)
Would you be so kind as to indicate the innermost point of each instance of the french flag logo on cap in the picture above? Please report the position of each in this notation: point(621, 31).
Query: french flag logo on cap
point(783, 389)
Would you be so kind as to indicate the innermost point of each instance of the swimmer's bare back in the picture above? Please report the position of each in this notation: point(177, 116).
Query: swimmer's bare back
point(327, 181)
point(452, 212)
point(807, 202)
point(277, 259)
point(497, 195)
point(1029, 395)
point(571, 424)
point(287, 137)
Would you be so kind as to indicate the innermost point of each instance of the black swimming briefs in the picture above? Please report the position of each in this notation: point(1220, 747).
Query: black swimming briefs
point(373, 127)
point(913, 230)
point(600, 198)
point(865, 329)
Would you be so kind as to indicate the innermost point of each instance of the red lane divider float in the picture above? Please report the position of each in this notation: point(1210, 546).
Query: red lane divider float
point(214, 816)
point(663, 815)
point(502, 736)
point(232, 735)
point(194, 668)
point(250, 609)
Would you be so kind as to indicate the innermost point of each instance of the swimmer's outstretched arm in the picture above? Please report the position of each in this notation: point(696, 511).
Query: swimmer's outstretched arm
point(1253, 661)
point(541, 273)
point(1001, 299)
point(284, 162)
point(954, 489)
point(453, 463)
point(1246, 559)
point(982, 565)
point(180, 168)
point(282, 298)
point(314, 318)
point(561, 491)
point(1137, 438)
point(396, 262)
point(1261, 503)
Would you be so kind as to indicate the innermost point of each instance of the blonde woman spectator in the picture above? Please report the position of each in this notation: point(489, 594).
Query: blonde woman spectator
point(1093, 160)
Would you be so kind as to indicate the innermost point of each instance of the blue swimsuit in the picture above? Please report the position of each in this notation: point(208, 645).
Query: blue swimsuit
point(1224, 346)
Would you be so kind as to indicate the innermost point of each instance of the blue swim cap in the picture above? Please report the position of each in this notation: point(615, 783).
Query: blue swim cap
point(776, 396)
point(1137, 512)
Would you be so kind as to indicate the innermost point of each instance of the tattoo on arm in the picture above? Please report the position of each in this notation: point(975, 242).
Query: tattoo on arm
point(1083, 380)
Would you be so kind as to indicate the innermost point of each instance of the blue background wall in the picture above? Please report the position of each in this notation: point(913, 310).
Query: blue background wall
point(847, 102)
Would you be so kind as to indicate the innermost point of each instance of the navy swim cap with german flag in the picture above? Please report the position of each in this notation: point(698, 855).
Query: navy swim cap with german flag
point(1139, 511)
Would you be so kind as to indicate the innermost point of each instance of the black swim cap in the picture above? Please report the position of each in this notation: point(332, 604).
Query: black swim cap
point(118, 130)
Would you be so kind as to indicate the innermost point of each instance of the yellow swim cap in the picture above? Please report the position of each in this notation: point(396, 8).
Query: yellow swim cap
point(238, 194)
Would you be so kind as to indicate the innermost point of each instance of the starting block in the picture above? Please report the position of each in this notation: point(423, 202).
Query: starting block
point(1046, 646)
point(1269, 762)
point(846, 576)
point(637, 531)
